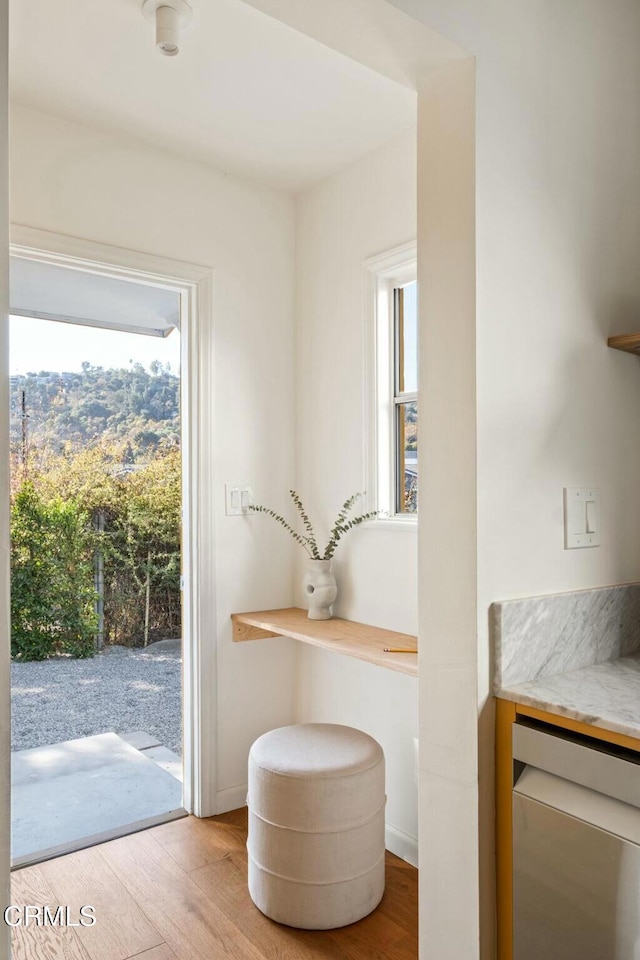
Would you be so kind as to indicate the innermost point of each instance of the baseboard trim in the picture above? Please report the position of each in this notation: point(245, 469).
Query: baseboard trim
point(400, 843)
point(232, 798)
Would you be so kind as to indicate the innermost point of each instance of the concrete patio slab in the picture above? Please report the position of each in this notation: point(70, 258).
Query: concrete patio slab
point(73, 794)
point(166, 759)
point(140, 739)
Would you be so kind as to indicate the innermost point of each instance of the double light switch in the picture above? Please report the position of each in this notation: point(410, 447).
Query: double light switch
point(581, 517)
point(238, 499)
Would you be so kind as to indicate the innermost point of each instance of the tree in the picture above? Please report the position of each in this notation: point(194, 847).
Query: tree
point(72, 409)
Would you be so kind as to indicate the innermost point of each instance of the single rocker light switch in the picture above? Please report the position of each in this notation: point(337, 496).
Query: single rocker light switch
point(581, 519)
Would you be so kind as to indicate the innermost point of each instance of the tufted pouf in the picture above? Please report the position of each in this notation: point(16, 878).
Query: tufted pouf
point(316, 825)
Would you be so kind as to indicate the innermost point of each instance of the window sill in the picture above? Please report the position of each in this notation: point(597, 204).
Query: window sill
point(392, 523)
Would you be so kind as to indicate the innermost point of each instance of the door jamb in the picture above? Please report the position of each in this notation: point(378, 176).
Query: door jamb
point(195, 285)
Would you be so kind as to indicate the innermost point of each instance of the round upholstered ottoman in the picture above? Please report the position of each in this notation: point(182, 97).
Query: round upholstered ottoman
point(316, 825)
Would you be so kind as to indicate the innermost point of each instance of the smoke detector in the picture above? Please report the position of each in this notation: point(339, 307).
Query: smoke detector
point(169, 16)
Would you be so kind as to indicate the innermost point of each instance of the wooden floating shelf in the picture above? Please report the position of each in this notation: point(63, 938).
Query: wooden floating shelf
point(342, 636)
point(630, 342)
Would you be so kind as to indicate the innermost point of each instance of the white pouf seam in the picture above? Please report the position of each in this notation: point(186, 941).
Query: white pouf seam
point(280, 826)
point(316, 883)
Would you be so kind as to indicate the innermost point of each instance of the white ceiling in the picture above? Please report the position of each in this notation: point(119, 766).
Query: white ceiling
point(246, 93)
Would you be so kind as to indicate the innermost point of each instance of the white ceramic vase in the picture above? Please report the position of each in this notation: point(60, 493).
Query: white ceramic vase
point(320, 589)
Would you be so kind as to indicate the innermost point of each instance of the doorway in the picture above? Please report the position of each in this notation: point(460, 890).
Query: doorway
point(147, 308)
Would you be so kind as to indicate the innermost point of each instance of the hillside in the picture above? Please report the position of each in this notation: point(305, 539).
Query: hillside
point(65, 412)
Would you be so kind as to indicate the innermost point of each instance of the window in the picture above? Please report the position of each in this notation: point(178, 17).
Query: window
point(391, 452)
point(405, 397)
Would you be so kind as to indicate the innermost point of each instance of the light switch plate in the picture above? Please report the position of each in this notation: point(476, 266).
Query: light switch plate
point(237, 498)
point(581, 517)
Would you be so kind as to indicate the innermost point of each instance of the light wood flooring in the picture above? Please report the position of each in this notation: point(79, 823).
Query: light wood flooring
point(179, 892)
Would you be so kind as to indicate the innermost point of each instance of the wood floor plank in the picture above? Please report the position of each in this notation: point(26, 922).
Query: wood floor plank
point(234, 818)
point(122, 929)
point(189, 922)
point(29, 886)
point(233, 826)
point(400, 901)
point(192, 843)
point(163, 952)
point(225, 883)
point(375, 938)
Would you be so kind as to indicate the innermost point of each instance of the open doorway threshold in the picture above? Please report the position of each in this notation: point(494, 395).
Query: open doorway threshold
point(72, 795)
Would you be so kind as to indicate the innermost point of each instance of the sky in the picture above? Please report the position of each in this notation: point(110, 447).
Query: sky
point(37, 345)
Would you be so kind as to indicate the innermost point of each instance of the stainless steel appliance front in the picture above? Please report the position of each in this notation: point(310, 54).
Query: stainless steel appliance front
point(576, 850)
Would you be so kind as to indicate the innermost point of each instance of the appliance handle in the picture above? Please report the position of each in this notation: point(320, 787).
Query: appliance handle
point(591, 767)
point(606, 813)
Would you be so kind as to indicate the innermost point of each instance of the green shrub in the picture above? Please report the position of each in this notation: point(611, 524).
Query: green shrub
point(52, 591)
point(141, 549)
point(136, 533)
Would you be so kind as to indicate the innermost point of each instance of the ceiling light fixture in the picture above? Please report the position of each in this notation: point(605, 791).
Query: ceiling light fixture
point(169, 16)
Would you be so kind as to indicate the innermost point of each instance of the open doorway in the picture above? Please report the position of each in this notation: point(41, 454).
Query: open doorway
point(97, 626)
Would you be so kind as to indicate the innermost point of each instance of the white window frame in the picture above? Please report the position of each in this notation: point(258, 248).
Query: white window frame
point(383, 274)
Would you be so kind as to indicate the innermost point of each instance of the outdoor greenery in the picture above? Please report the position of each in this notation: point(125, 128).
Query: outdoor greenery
point(134, 408)
point(52, 597)
point(341, 525)
point(95, 508)
point(410, 431)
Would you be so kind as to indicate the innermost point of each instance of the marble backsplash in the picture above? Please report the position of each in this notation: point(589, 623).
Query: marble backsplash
point(541, 636)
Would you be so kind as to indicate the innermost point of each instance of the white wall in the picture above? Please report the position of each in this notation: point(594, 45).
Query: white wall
point(74, 180)
point(367, 208)
point(5, 737)
point(447, 657)
point(558, 270)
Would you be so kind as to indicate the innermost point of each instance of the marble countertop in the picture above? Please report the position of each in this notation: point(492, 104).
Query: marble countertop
point(605, 694)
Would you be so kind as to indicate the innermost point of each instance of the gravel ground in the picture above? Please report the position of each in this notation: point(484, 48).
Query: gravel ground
point(117, 691)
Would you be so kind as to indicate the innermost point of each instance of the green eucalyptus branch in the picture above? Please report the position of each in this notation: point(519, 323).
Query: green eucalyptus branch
point(347, 506)
point(339, 531)
point(304, 541)
point(307, 524)
point(340, 527)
